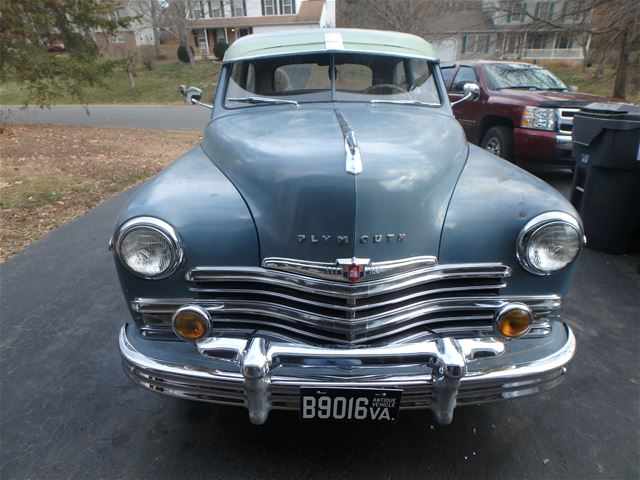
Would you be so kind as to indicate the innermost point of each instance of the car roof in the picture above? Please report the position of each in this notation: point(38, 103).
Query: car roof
point(319, 40)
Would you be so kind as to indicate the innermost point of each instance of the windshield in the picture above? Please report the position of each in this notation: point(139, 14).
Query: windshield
point(522, 76)
point(328, 77)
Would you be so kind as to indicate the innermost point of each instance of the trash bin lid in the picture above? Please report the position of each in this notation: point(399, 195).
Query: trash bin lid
point(618, 111)
point(592, 119)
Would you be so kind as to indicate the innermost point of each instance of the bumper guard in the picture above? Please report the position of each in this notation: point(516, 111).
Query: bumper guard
point(261, 380)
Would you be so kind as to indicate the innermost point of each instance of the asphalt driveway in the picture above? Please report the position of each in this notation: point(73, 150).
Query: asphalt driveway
point(67, 409)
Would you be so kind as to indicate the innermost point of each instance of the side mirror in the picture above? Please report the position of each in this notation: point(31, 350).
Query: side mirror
point(471, 92)
point(573, 88)
point(192, 96)
point(459, 86)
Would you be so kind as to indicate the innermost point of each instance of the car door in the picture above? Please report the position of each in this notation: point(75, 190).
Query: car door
point(467, 113)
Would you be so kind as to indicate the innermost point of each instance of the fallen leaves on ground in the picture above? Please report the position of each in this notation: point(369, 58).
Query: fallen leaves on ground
point(51, 174)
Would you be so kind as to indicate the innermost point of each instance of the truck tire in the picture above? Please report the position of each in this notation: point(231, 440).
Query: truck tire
point(499, 141)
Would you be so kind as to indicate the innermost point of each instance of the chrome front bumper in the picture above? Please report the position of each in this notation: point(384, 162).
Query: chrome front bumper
point(263, 376)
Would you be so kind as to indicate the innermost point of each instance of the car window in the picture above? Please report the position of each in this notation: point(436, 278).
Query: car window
point(464, 75)
point(353, 76)
point(447, 73)
point(325, 77)
point(301, 76)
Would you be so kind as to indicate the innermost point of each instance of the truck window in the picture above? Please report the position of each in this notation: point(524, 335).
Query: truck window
point(447, 73)
point(464, 75)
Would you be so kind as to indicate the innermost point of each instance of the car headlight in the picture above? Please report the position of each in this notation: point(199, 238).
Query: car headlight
point(149, 247)
point(549, 242)
point(538, 118)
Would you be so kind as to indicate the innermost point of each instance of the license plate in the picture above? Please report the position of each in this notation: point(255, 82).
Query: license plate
point(350, 404)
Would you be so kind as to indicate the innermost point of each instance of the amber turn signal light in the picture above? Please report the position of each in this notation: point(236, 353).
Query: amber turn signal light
point(513, 320)
point(191, 323)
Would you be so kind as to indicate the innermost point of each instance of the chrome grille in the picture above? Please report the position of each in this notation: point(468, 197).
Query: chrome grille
point(565, 119)
point(456, 299)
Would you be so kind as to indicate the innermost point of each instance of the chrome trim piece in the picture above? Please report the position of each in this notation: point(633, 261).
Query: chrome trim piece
point(351, 149)
point(159, 226)
point(360, 330)
point(254, 377)
point(564, 142)
point(335, 270)
point(373, 287)
point(471, 92)
point(537, 223)
point(565, 120)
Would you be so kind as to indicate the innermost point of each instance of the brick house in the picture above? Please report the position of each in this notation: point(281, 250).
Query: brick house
point(138, 34)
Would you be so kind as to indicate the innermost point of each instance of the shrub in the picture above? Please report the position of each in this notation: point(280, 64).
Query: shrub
point(183, 56)
point(147, 55)
point(219, 49)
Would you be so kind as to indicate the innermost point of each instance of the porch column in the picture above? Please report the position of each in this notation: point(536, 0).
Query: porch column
point(206, 40)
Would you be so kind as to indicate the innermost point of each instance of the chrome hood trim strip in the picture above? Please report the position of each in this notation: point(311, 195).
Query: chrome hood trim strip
point(333, 270)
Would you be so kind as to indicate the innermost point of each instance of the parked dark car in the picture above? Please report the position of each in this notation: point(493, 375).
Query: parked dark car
point(335, 247)
point(524, 111)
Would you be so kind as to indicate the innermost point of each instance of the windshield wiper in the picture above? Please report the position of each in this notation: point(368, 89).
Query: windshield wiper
point(264, 100)
point(406, 102)
point(521, 87)
point(558, 89)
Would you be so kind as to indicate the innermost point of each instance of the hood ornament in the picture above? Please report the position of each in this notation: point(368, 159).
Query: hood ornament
point(353, 269)
point(351, 148)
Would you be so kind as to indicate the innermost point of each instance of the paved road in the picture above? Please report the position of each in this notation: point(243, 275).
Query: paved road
point(161, 117)
point(67, 409)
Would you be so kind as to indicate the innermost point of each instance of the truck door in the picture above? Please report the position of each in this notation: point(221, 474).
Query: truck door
point(467, 113)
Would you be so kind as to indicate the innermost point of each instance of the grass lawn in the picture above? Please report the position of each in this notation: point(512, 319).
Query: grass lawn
point(50, 174)
point(157, 86)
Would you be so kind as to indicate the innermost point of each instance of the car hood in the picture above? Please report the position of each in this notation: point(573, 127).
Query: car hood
point(550, 98)
point(289, 164)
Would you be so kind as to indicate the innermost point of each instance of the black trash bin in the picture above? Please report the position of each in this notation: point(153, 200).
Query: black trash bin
point(606, 181)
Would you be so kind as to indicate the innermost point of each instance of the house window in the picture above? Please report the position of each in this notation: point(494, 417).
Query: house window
point(237, 8)
point(517, 12)
point(218, 35)
point(202, 42)
point(536, 41)
point(214, 9)
point(117, 38)
point(563, 41)
point(288, 7)
point(269, 7)
point(544, 10)
point(571, 11)
point(478, 43)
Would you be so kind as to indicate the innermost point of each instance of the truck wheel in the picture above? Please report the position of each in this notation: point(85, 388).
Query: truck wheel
point(499, 141)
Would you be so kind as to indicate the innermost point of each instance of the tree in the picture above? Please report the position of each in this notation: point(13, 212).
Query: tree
point(612, 23)
point(151, 12)
point(27, 27)
point(126, 60)
point(176, 21)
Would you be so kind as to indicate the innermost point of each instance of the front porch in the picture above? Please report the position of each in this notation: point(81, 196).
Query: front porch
point(205, 38)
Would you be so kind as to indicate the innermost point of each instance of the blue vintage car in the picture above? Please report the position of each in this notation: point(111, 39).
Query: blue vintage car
point(335, 247)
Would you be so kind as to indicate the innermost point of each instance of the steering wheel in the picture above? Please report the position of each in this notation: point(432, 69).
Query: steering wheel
point(381, 87)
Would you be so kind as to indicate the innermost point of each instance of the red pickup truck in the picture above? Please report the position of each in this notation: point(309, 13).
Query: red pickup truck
point(524, 112)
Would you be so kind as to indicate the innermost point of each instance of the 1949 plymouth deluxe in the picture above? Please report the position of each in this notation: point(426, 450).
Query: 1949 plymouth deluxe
point(334, 246)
